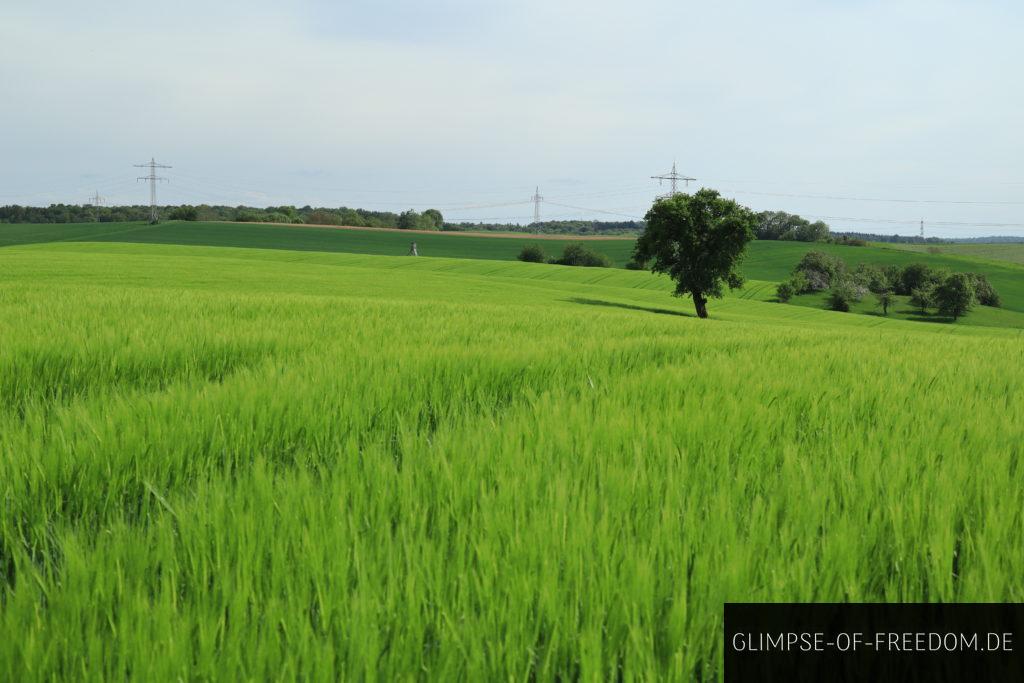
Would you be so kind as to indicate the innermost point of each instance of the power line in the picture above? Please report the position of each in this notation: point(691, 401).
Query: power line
point(152, 178)
point(898, 221)
point(587, 208)
point(894, 200)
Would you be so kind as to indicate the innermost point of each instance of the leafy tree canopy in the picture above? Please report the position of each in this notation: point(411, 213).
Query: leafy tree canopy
point(955, 296)
point(698, 240)
point(779, 225)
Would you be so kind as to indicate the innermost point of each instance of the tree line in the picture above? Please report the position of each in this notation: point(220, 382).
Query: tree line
point(431, 219)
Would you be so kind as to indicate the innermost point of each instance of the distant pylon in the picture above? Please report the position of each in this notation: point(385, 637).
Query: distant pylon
point(96, 200)
point(674, 178)
point(536, 199)
point(152, 178)
point(922, 229)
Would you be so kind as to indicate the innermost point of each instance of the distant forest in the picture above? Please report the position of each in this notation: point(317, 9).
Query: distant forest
point(772, 225)
point(894, 239)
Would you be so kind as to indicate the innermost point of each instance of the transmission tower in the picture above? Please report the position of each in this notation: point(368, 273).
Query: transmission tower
point(152, 178)
point(536, 199)
point(922, 230)
point(96, 200)
point(674, 179)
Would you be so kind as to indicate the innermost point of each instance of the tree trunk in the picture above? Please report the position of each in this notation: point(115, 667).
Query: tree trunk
point(701, 304)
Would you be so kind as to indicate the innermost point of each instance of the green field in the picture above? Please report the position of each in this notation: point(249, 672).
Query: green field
point(303, 238)
point(766, 263)
point(290, 462)
point(1014, 253)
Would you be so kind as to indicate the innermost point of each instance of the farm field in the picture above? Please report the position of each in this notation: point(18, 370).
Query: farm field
point(219, 462)
point(766, 263)
point(1012, 252)
point(305, 238)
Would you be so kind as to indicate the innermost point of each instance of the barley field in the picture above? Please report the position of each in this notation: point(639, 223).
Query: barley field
point(239, 464)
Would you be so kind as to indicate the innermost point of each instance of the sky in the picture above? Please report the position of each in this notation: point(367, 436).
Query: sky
point(871, 115)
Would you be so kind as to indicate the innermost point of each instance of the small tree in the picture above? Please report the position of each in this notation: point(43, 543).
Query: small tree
point(885, 301)
point(922, 299)
point(955, 296)
point(532, 253)
point(845, 292)
point(698, 240)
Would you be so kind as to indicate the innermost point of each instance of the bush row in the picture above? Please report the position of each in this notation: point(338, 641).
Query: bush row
point(952, 294)
point(573, 255)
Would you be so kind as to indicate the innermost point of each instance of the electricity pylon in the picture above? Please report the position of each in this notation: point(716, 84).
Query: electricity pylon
point(673, 178)
point(152, 178)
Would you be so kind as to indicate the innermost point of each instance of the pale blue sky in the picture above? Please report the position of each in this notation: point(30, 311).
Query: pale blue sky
point(395, 104)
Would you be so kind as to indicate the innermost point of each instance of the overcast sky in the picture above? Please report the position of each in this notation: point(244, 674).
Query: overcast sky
point(394, 104)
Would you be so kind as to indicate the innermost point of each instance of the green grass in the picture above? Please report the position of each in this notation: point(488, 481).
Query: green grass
point(253, 464)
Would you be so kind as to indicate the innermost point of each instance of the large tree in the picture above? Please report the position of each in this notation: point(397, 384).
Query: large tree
point(698, 241)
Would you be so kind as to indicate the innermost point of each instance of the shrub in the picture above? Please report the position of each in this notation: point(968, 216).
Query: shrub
point(785, 291)
point(983, 290)
point(848, 241)
point(800, 283)
point(633, 264)
point(837, 301)
point(532, 253)
point(576, 254)
point(820, 269)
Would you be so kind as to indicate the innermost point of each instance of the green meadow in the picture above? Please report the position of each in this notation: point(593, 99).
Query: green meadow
point(250, 452)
